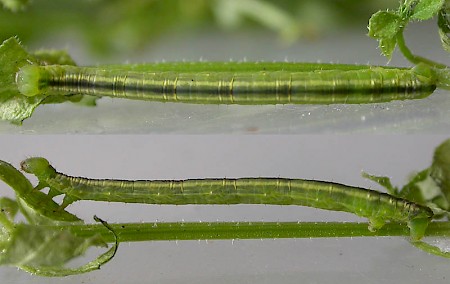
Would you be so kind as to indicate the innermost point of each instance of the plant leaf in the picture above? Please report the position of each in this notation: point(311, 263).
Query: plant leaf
point(420, 188)
point(384, 26)
point(44, 250)
point(444, 28)
point(432, 249)
point(44, 246)
point(426, 9)
point(9, 207)
point(8, 210)
point(384, 182)
point(39, 208)
point(14, 106)
point(387, 46)
point(440, 169)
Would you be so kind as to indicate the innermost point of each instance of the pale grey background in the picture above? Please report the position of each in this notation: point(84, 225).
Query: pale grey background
point(326, 157)
point(429, 115)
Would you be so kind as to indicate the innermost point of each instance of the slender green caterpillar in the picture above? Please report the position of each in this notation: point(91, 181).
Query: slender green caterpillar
point(233, 83)
point(377, 207)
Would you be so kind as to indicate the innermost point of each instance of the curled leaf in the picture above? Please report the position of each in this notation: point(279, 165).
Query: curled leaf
point(41, 246)
point(44, 250)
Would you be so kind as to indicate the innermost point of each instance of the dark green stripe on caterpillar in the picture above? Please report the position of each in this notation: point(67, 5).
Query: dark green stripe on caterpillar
point(245, 83)
point(377, 207)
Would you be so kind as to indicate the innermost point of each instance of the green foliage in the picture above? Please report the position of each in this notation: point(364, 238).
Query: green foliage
point(34, 246)
point(444, 26)
point(388, 26)
point(43, 208)
point(38, 247)
point(9, 207)
point(14, 106)
point(426, 9)
point(385, 26)
point(112, 26)
point(15, 5)
point(430, 187)
point(44, 248)
point(232, 13)
point(440, 173)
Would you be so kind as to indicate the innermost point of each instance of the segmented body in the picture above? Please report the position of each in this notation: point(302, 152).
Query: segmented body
point(245, 83)
point(376, 206)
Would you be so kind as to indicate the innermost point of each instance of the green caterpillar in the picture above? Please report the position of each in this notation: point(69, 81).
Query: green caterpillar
point(376, 206)
point(233, 83)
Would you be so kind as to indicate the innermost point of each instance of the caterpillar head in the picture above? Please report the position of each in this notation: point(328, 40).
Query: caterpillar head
point(27, 80)
point(38, 166)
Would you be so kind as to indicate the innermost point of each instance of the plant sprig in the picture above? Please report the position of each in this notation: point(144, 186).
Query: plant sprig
point(40, 246)
point(14, 106)
point(32, 247)
point(388, 27)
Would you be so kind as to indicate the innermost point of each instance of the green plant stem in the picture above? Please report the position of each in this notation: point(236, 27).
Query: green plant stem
point(415, 59)
point(134, 232)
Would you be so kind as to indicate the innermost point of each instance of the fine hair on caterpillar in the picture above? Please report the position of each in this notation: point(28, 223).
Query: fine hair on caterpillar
point(378, 207)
